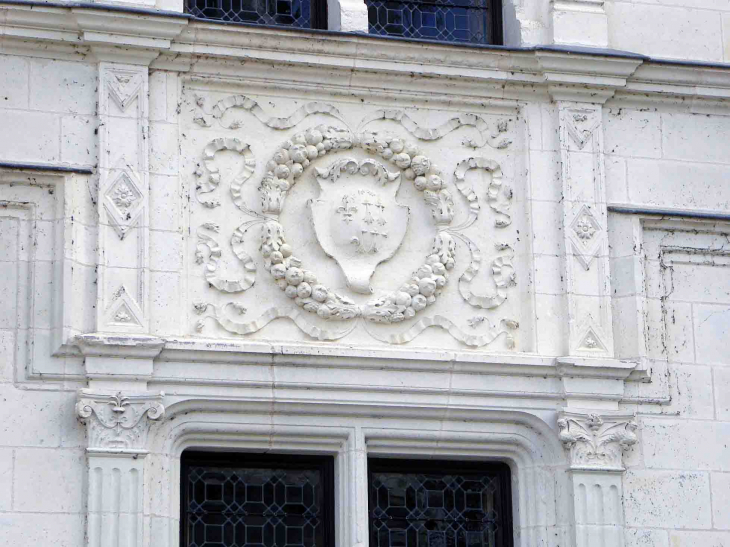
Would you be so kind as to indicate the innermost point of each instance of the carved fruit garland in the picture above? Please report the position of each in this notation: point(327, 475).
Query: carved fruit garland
point(301, 285)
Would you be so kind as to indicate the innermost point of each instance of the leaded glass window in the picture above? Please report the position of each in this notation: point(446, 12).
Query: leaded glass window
point(288, 13)
point(469, 21)
point(439, 504)
point(241, 500)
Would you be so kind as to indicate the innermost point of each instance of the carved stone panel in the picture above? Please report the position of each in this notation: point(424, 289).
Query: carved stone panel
point(342, 223)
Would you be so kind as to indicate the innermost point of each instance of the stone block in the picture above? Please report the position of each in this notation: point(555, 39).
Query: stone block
point(550, 131)
point(6, 479)
point(695, 137)
point(652, 499)
point(632, 133)
point(164, 148)
point(550, 319)
point(33, 418)
point(549, 274)
point(641, 537)
point(616, 187)
point(63, 86)
point(677, 325)
point(165, 199)
point(545, 176)
point(13, 82)
point(577, 27)
point(726, 36)
point(684, 33)
point(166, 303)
point(8, 294)
point(43, 488)
point(722, 392)
point(7, 355)
point(158, 95)
point(720, 500)
point(712, 329)
point(78, 140)
point(691, 384)
point(166, 251)
point(34, 138)
point(678, 184)
point(627, 335)
point(547, 220)
point(669, 444)
point(699, 539)
point(49, 530)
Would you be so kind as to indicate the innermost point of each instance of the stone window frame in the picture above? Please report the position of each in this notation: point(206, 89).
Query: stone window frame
point(537, 460)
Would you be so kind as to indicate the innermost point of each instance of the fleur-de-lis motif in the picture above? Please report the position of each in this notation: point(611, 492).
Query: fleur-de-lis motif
point(346, 209)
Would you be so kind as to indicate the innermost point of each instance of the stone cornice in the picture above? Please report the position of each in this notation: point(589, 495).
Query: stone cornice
point(174, 41)
point(119, 345)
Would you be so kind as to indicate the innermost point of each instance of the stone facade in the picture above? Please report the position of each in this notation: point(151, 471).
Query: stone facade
point(254, 239)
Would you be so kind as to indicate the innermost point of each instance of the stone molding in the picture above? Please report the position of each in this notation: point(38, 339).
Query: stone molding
point(524, 440)
point(174, 42)
point(118, 422)
point(597, 441)
point(136, 346)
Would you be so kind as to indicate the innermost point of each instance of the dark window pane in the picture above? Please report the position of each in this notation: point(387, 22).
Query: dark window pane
point(439, 504)
point(471, 21)
point(290, 13)
point(247, 501)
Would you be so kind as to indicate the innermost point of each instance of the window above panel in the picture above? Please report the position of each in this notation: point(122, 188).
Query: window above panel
point(461, 21)
point(305, 14)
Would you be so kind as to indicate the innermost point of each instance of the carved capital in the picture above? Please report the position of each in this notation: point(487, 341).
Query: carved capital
point(118, 422)
point(597, 442)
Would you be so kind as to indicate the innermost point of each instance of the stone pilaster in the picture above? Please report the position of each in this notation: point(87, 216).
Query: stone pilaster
point(123, 203)
point(585, 218)
point(596, 443)
point(117, 427)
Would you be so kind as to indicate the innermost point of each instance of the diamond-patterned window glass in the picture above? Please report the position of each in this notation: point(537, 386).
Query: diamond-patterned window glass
point(469, 21)
point(439, 504)
point(241, 500)
point(288, 13)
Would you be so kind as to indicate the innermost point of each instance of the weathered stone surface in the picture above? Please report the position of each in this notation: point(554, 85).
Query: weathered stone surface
point(342, 245)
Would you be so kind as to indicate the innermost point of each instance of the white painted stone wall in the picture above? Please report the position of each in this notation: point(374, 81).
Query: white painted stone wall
point(596, 325)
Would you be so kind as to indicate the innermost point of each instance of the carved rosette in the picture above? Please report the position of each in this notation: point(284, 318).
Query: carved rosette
point(597, 442)
point(118, 421)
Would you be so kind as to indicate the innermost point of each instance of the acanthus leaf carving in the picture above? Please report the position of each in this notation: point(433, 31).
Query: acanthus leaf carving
point(118, 421)
point(597, 441)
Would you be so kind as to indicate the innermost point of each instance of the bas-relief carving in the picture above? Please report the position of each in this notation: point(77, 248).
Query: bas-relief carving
point(357, 221)
point(595, 441)
point(359, 224)
point(118, 421)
